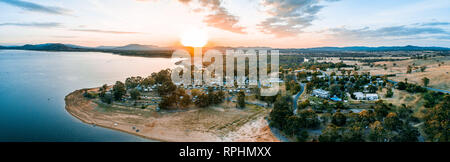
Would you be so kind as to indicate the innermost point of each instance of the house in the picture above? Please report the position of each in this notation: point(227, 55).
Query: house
point(372, 96)
point(321, 93)
point(359, 95)
point(362, 96)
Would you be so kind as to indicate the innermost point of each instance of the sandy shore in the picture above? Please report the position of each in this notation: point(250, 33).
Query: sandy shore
point(194, 125)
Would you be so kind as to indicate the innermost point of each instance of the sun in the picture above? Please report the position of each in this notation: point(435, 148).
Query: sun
point(194, 38)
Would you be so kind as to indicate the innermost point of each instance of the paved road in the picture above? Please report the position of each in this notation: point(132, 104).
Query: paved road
point(302, 86)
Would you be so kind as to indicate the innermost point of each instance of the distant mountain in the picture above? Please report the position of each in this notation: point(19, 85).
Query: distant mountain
point(71, 47)
point(45, 47)
point(129, 50)
point(151, 48)
point(77, 46)
point(382, 48)
point(133, 47)
point(105, 47)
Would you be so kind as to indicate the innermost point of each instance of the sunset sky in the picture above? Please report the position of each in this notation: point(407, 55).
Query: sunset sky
point(268, 23)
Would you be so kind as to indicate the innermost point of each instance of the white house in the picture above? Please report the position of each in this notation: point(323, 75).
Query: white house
point(321, 93)
point(372, 96)
point(362, 96)
point(359, 95)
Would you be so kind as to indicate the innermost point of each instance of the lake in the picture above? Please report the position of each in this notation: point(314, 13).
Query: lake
point(33, 85)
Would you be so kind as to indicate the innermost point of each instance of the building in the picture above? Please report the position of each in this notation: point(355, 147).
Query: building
point(371, 97)
point(359, 95)
point(321, 93)
point(362, 96)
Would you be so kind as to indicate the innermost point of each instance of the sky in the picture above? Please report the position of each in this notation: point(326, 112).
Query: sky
point(249, 23)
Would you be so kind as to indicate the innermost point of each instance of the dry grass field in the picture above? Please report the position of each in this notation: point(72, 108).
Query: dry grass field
point(438, 75)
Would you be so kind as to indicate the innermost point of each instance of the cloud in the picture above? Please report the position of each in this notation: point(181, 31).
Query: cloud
point(104, 31)
point(36, 7)
point(38, 25)
point(219, 16)
point(403, 32)
point(185, 1)
point(289, 17)
point(435, 24)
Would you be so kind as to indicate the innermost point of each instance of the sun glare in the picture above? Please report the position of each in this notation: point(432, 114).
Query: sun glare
point(194, 38)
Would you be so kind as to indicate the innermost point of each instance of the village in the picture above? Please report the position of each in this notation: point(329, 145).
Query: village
point(316, 93)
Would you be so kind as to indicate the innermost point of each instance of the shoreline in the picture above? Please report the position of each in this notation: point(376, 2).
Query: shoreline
point(107, 127)
point(184, 126)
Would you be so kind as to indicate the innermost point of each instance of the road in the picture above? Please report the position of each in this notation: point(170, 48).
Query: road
point(302, 88)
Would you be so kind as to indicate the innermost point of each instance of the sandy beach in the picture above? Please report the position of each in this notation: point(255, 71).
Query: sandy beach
point(213, 124)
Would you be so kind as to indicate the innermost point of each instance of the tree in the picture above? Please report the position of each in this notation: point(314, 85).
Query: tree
point(381, 109)
point(404, 112)
point(389, 93)
point(303, 105)
point(135, 94)
point(186, 101)
point(195, 92)
point(148, 81)
point(296, 88)
point(335, 90)
point(378, 133)
point(107, 98)
point(133, 82)
point(423, 68)
point(202, 100)
point(280, 112)
point(119, 90)
point(308, 119)
point(302, 136)
point(401, 85)
point(366, 117)
point(333, 74)
point(330, 134)
point(241, 99)
point(392, 121)
point(407, 133)
point(168, 102)
point(104, 88)
point(437, 123)
point(372, 88)
point(339, 119)
point(301, 75)
point(162, 76)
point(166, 88)
point(353, 134)
point(339, 105)
point(409, 69)
point(425, 81)
point(309, 87)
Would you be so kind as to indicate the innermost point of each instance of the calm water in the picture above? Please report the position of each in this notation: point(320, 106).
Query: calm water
point(33, 86)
